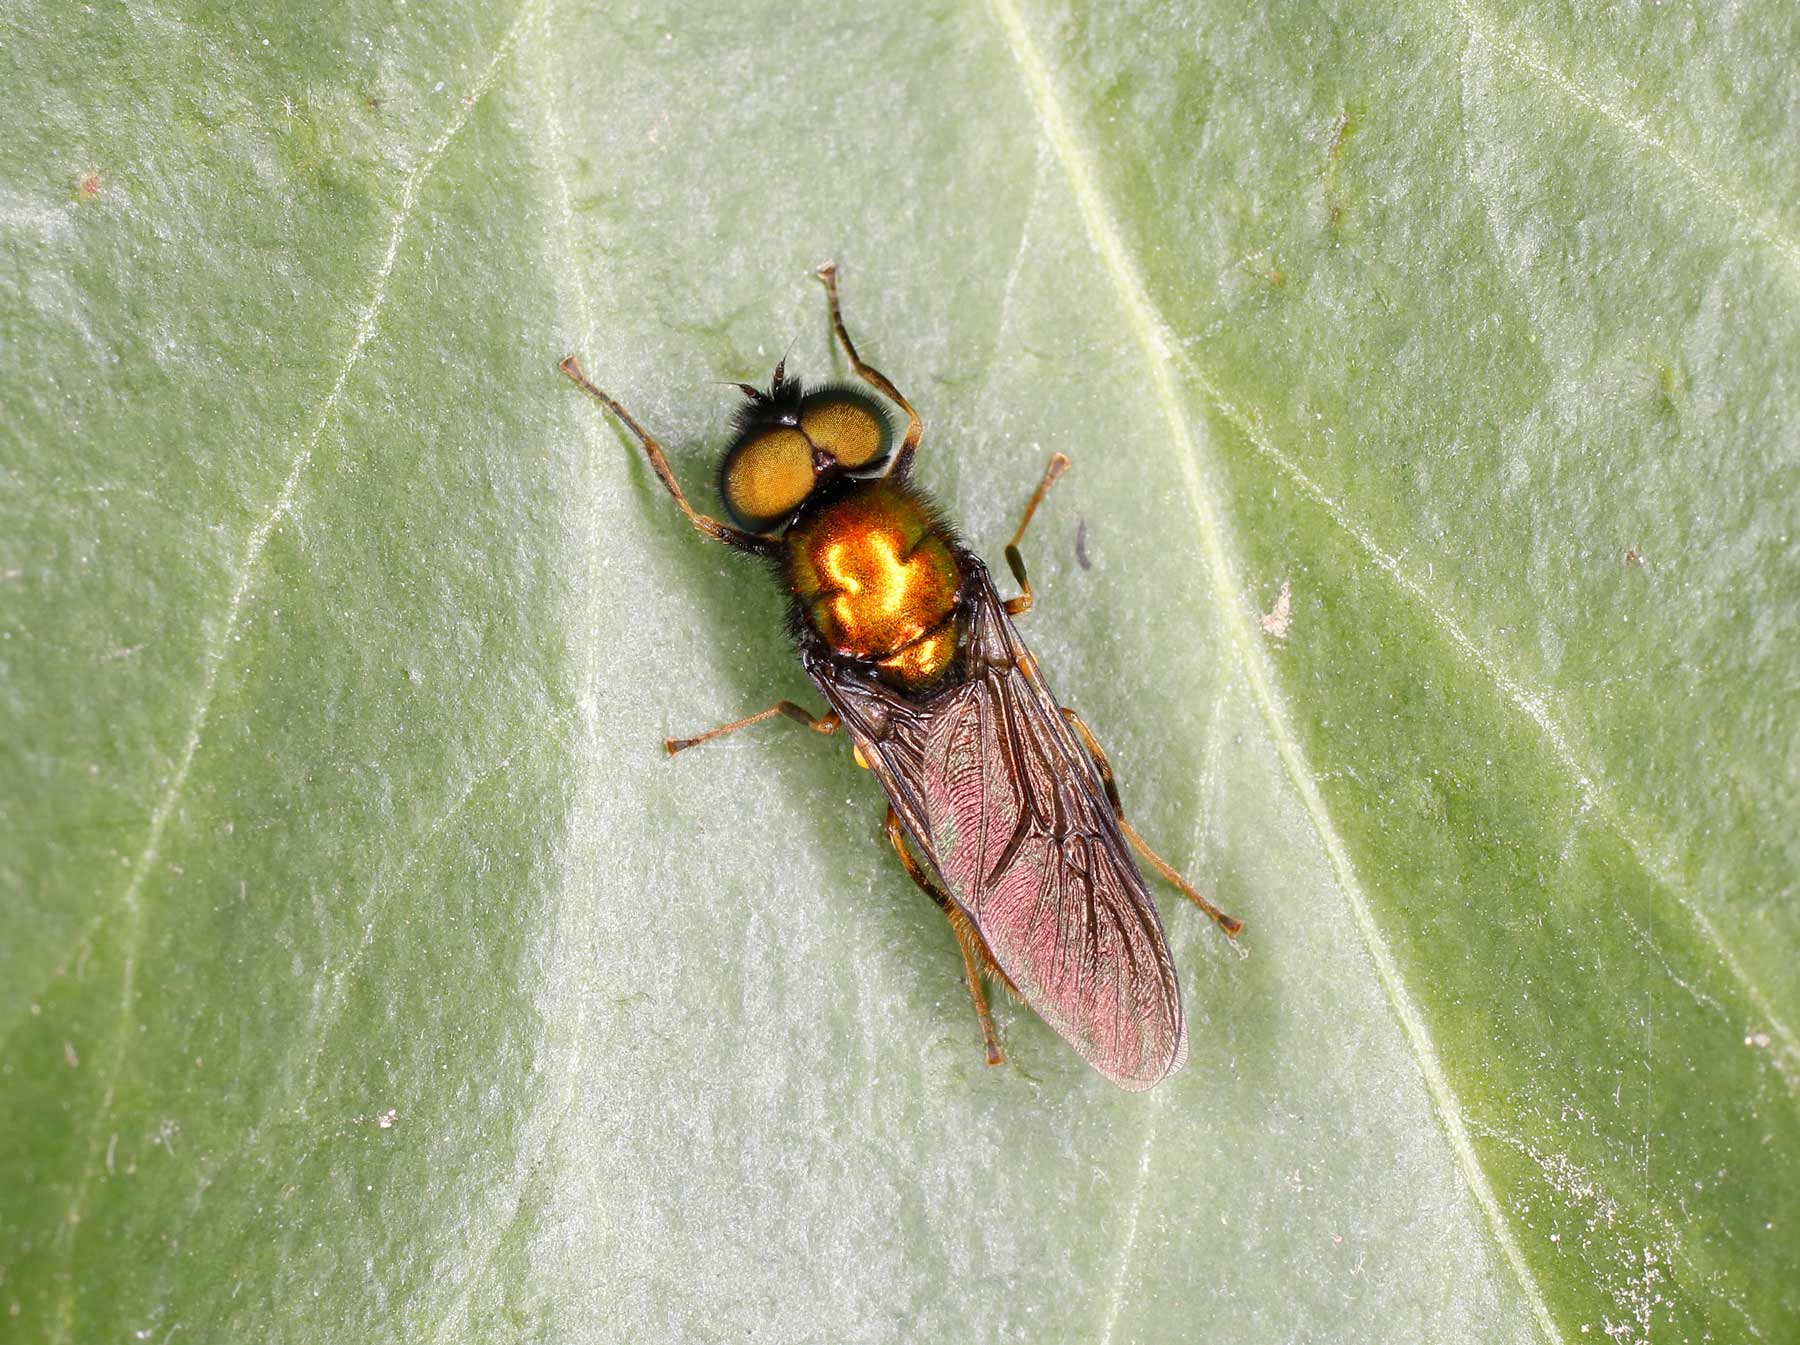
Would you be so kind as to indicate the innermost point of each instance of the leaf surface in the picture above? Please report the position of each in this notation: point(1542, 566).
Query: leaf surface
point(1426, 568)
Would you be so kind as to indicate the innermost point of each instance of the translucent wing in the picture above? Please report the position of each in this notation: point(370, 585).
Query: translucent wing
point(995, 787)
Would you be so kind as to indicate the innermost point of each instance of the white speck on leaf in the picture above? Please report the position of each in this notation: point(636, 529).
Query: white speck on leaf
point(1278, 621)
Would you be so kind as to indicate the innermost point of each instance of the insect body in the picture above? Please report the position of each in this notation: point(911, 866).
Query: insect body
point(1006, 794)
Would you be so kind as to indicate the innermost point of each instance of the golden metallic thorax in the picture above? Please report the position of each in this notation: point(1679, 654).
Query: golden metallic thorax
point(877, 580)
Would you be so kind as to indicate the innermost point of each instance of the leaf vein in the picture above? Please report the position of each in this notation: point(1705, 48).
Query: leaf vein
point(1107, 242)
point(548, 153)
point(217, 650)
point(1133, 1212)
point(1595, 796)
point(1637, 129)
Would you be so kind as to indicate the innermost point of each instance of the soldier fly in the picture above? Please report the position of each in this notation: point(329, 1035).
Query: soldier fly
point(1005, 795)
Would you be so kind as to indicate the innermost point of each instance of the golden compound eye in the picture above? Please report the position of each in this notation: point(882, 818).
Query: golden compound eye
point(847, 425)
point(766, 475)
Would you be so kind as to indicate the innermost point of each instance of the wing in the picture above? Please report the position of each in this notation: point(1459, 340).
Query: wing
point(995, 787)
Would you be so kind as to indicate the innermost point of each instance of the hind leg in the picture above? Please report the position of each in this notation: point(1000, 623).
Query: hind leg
point(975, 953)
point(1229, 923)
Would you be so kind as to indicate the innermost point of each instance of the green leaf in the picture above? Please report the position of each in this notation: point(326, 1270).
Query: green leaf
point(369, 970)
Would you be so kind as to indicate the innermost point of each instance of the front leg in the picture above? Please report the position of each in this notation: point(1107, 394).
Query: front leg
point(915, 427)
point(659, 463)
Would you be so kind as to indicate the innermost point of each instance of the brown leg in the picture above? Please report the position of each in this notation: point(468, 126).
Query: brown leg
point(827, 724)
point(1059, 463)
point(974, 952)
point(915, 428)
point(1229, 923)
point(709, 527)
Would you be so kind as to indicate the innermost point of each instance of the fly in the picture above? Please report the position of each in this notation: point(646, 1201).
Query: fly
point(1001, 804)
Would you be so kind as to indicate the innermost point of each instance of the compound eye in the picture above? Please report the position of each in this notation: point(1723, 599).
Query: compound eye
point(847, 425)
point(766, 475)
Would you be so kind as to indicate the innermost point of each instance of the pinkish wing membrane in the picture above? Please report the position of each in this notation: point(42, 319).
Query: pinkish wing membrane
point(995, 787)
point(1026, 844)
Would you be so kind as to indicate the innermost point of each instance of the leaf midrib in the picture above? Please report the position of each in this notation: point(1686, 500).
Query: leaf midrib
point(1147, 325)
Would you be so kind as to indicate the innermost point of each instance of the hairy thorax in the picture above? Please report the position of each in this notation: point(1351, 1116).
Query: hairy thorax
point(877, 578)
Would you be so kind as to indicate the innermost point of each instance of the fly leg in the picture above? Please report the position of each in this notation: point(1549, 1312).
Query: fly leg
point(1229, 923)
point(707, 527)
point(915, 427)
point(1059, 463)
point(825, 724)
point(974, 951)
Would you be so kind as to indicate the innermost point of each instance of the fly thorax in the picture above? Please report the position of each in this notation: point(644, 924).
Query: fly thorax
point(877, 579)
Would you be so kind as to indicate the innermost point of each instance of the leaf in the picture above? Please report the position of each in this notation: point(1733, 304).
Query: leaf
point(368, 969)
